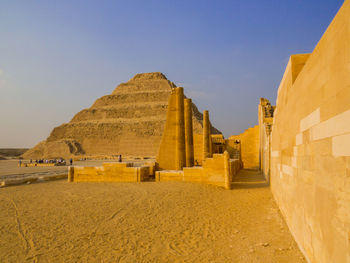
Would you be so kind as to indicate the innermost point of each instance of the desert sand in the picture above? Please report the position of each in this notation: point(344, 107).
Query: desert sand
point(59, 221)
point(9, 168)
point(6, 153)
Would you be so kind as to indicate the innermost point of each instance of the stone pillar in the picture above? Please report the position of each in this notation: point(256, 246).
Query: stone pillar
point(189, 133)
point(261, 124)
point(180, 161)
point(138, 174)
point(71, 174)
point(268, 174)
point(206, 135)
point(157, 176)
point(227, 170)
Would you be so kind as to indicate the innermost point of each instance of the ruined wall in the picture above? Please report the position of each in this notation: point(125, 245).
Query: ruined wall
point(198, 148)
point(110, 172)
point(310, 146)
point(212, 172)
point(234, 149)
point(249, 146)
point(265, 111)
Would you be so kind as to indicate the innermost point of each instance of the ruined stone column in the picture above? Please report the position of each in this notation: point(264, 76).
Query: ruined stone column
point(227, 170)
point(206, 135)
point(71, 174)
point(180, 161)
point(189, 133)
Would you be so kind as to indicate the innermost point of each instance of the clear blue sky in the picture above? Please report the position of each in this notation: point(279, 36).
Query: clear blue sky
point(57, 57)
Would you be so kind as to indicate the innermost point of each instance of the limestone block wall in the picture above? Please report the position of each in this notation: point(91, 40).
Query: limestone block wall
point(310, 145)
point(169, 175)
point(110, 172)
point(218, 143)
point(198, 148)
point(214, 169)
point(212, 172)
point(249, 146)
point(265, 155)
point(233, 148)
point(266, 112)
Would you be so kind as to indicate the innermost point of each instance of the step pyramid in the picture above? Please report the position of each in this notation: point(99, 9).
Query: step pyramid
point(130, 121)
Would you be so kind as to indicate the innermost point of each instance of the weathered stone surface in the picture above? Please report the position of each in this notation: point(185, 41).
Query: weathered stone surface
point(249, 146)
point(130, 121)
point(309, 156)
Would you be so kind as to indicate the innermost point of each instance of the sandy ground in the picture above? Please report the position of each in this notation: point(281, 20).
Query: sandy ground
point(9, 168)
point(143, 222)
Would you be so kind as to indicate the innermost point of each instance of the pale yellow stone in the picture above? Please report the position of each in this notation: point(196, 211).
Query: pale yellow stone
point(275, 153)
point(311, 129)
point(310, 120)
point(299, 139)
point(249, 146)
point(334, 126)
point(287, 169)
point(341, 145)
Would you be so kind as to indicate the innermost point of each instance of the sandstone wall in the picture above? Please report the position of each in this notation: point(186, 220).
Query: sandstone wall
point(198, 148)
point(109, 172)
point(234, 149)
point(249, 146)
point(212, 172)
point(265, 114)
point(310, 145)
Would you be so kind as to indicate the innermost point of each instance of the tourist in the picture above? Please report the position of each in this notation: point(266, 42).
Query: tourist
point(71, 161)
point(120, 158)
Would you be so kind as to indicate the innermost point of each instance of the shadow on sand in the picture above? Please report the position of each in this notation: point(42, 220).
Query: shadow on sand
point(249, 178)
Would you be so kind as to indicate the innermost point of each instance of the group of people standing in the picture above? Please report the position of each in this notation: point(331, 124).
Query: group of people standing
point(59, 161)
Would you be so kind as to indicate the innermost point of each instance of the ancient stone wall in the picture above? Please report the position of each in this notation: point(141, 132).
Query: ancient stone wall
point(212, 172)
point(198, 148)
point(310, 145)
point(265, 114)
point(249, 147)
point(234, 149)
point(110, 172)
